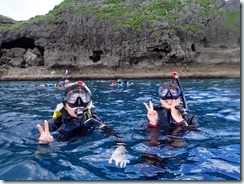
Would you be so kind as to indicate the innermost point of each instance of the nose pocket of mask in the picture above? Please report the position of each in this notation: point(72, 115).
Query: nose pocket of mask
point(79, 101)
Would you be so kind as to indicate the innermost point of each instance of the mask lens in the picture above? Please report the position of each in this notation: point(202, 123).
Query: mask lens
point(164, 92)
point(174, 92)
point(74, 98)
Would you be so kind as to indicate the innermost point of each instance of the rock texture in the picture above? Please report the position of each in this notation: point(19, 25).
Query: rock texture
point(83, 41)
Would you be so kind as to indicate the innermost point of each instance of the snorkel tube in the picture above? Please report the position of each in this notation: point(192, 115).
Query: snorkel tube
point(177, 78)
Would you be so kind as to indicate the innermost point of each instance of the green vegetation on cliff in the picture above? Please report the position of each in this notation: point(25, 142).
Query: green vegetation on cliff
point(183, 14)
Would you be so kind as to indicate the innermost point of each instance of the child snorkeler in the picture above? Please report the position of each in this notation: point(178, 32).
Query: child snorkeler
point(170, 117)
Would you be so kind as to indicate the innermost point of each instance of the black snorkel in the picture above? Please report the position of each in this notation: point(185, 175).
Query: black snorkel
point(177, 78)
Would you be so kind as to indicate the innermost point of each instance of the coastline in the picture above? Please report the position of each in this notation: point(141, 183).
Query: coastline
point(221, 71)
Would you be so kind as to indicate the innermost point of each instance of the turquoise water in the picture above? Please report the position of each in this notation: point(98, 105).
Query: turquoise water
point(211, 153)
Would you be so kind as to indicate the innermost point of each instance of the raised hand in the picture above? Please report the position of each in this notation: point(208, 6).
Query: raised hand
point(45, 136)
point(119, 157)
point(175, 113)
point(152, 115)
point(182, 110)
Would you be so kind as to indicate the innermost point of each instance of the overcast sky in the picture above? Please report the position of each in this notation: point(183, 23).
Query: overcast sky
point(25, 9)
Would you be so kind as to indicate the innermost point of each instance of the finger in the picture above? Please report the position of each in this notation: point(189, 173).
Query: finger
point(121, 164)
point(39, 127)
point(46, 126)
point(151, 105)
point(176, 100)
point(116, 163)
point(146, 106)
point(110, 161)
point(124, 163)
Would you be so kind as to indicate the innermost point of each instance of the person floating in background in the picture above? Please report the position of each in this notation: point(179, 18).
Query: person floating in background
point(170, 117)
point(76, 116)
point(61, 83)
point(121, 83)
point(114, 83)
point(66, 83)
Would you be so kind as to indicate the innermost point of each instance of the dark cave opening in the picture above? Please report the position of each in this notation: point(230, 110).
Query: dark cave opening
point(23, 42)
point(96, 56)
point(193, 47)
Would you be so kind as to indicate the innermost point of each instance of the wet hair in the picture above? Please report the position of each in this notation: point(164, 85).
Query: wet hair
point(78, 86)
point(169, 85)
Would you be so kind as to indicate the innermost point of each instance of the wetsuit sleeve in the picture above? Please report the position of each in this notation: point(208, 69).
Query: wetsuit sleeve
point(55, 123)
point(97, 121)
point(106, 130)
point(191, 120)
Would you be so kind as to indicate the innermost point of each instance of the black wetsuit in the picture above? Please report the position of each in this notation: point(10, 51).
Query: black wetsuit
point(166, 125)
point(166, 122)
point(68, 126)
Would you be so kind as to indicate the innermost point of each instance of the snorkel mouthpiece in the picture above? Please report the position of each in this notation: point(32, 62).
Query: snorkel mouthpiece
point(80, 111)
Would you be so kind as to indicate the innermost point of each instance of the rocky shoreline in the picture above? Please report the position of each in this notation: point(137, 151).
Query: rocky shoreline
point(98, 73)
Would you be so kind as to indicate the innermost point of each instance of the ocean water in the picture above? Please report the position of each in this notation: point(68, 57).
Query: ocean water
point(212, 152)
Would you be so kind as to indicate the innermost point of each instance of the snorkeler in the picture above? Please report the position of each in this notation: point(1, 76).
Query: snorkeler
point(169, 117)
point(76, 116)
point(121, 83)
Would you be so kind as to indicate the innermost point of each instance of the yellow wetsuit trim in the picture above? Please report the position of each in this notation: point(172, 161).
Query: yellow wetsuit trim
point(57, 112)
point(102, 125)
point(90, 118)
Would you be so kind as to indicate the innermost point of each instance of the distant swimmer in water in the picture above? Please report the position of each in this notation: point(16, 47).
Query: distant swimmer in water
point(114, 84)
point(121, 83)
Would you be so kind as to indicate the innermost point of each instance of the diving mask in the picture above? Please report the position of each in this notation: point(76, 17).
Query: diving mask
point(78, 98)
point(169, 92)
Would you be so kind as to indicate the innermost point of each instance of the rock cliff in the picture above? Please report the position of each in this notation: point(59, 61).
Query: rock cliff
point(112, 34)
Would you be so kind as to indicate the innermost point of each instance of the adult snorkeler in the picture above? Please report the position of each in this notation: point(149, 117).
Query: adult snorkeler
point(76, 116)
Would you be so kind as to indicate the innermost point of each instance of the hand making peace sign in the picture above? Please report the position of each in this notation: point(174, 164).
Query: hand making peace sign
point(45, 136)
point(152, 115)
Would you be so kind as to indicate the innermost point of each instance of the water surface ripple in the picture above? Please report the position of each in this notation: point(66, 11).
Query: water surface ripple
point(211, 153)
